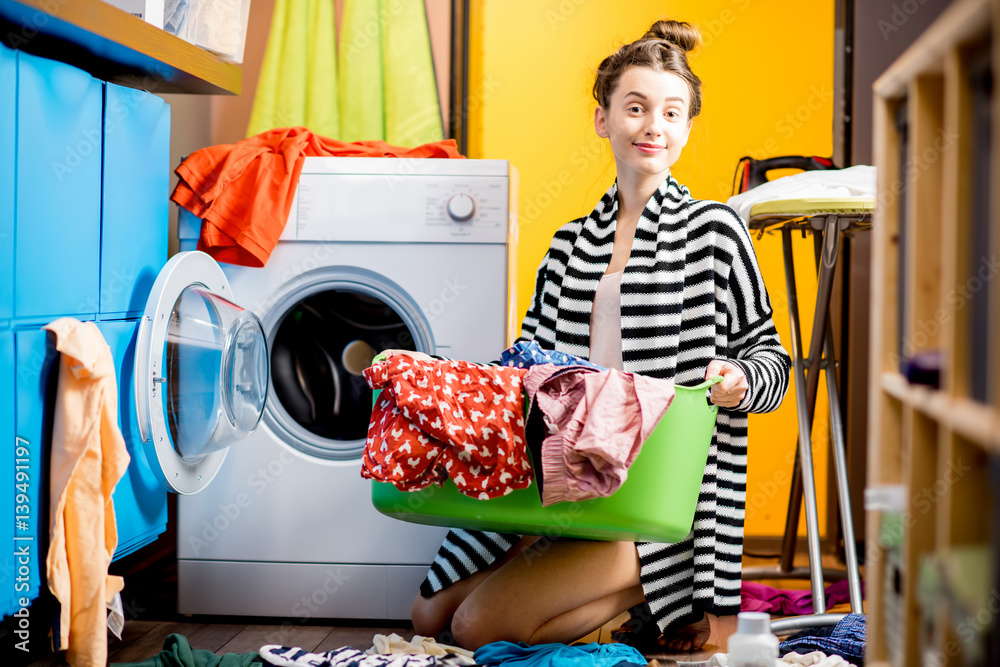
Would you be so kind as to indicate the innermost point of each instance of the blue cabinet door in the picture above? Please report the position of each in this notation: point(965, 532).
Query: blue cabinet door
point(135, 197)
point(140, 500)
point(57, 227)
point(8, 90)
point(36, 378)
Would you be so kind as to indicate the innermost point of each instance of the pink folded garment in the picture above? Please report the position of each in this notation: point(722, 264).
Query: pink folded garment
point(597, 422)
point(760, 597)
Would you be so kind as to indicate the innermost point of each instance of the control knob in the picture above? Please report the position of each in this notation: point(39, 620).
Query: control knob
point(461, 208)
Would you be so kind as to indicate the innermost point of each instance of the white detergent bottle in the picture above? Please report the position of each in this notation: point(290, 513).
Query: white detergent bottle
point(753, 645)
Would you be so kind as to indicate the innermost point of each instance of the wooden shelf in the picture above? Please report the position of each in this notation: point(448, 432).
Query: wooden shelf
point(115, 46)
point(966, 21)
point(937, 218)
point(970, 419)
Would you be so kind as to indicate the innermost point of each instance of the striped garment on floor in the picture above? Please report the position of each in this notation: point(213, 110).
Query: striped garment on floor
point(293, 656)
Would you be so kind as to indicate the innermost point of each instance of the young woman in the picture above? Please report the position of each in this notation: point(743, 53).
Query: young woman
point(652, 282)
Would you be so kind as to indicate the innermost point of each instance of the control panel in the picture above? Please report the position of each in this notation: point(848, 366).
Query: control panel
point(387, 208)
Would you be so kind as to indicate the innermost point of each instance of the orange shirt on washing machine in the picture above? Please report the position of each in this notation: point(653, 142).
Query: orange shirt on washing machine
point(243, 192)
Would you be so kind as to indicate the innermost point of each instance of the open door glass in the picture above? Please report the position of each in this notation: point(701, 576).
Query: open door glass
point(201, 373)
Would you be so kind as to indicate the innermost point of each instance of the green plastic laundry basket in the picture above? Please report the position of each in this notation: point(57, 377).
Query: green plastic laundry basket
point(655, 504)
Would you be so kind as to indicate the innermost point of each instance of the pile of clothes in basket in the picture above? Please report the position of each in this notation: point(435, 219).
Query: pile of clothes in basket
point(437, 419)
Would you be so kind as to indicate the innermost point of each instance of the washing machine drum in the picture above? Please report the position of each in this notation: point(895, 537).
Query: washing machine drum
point(318, 352)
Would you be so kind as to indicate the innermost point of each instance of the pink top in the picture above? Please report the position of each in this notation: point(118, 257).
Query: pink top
point(606, 322)
point(597, 423)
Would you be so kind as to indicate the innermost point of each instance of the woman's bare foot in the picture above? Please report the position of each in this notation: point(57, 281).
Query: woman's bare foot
point(689, 638)
point(644, 635)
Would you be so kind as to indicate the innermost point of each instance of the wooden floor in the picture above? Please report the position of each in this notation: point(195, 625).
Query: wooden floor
point(143, 639)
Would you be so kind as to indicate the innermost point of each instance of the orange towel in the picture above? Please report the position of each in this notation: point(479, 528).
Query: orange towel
point(88, 458)
point(244, 191)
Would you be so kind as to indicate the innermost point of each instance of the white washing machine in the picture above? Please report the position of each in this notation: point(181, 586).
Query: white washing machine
point(377, 253)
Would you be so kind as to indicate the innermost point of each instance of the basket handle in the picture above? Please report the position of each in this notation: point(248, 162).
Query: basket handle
point(714, 380)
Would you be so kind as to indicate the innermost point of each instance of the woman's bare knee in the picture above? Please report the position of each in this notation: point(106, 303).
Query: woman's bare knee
point(429, 615)
point(478, 622)
point(471, 628)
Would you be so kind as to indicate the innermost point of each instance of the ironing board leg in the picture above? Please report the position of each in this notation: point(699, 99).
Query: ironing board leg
point(791, 536)
point(788, 542)
point(821, 357)
point(843, 490)
point(805, 395)
point(831, 236)
point(804, 464)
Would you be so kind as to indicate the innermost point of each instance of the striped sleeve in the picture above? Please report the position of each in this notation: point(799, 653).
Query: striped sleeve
point(754, 345)
point(530, 323)
point(463, 553)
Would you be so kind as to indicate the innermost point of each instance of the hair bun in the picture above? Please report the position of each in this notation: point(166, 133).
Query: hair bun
point(679, 33)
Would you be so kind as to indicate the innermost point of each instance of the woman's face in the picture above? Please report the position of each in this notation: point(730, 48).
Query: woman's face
point(646, 122)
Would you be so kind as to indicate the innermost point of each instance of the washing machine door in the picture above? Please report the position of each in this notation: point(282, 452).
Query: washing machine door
point(201, 373)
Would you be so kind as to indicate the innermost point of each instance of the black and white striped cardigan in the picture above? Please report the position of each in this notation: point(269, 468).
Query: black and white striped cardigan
point(691, 292)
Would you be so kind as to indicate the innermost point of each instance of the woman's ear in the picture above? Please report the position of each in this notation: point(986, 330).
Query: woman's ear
point(601, 122)
point(687, 132)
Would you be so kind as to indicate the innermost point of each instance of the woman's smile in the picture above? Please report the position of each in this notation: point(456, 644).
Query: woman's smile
point(649, 148)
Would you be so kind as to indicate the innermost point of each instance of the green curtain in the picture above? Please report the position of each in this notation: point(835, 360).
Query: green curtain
point(362, 110)
point(388, 89)
point(298, 78)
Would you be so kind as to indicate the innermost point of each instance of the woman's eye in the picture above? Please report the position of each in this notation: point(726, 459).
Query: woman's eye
point(635, 109)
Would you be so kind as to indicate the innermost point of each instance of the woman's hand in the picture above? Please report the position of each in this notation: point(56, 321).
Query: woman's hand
point(419, 356)
point(732, 389)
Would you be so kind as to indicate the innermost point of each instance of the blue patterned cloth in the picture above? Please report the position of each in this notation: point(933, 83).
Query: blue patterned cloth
point(846, 639)
point(527, 353)
point(558, 655)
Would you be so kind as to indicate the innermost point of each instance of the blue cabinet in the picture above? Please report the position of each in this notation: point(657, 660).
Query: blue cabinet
point(84, 178)
point(135, 198)
point(8, 97)
point(36, 376)
point(140, 500)
point(58, 215)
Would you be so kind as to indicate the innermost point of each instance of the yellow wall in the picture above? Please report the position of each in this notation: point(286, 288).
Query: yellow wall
point(767, 73)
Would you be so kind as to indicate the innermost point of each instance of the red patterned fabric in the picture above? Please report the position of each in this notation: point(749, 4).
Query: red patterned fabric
point(437, 419)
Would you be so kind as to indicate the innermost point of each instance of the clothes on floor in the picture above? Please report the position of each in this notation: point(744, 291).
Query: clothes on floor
point(177, 652)
point(436, 419)
point(847, 639)
point(418, 645)
point(528, 353)
point(88, 457)
point(690, 293)
point(815, 659)
point(761, 597)
point(293, 656)
point(597, 422)
point(243, 192)
point(558, 655)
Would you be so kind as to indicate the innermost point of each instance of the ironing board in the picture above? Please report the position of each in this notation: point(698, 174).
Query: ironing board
point(827, 220)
